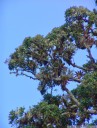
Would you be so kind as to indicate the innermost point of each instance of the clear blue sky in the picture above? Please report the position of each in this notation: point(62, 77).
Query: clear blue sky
point(20, 19)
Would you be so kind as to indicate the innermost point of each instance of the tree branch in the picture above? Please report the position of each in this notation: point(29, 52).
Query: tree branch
point(90, 55)
point(72, 96)
point(82, 68)
point(64, 101)
point(24, 75)
point(91, 111)
point(75, 79)
point(28, 76)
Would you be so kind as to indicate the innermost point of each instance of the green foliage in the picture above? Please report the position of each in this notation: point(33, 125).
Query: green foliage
point(87, 91)
point(50, 60)
point(41, 115)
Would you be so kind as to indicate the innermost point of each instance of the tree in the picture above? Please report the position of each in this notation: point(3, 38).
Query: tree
point(96, 2)
point(50, 60)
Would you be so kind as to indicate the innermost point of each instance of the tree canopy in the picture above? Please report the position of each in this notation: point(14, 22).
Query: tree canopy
point(96, 2)
point(51, 60)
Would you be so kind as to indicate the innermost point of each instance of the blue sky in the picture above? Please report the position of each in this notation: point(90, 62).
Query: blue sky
point(20, 19)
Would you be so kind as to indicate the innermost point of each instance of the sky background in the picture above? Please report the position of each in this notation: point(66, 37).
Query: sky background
point(20, 19)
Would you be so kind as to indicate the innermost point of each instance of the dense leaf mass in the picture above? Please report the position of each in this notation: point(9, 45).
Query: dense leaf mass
point(51, 60)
